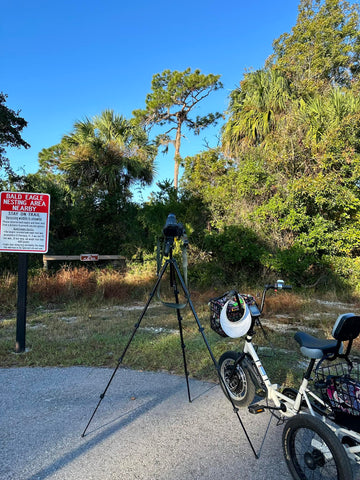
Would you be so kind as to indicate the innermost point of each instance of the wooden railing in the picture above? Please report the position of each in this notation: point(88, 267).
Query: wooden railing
point(82, 258)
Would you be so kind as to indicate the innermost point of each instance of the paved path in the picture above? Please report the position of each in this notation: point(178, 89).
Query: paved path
point(145, 428)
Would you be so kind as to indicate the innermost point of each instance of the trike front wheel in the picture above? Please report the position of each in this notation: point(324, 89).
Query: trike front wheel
point(313, 451)
point(240, 386)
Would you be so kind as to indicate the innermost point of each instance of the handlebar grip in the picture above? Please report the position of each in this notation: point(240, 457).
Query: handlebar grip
point(278, 287)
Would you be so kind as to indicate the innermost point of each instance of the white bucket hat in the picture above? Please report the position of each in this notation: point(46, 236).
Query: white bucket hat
point(237, 328)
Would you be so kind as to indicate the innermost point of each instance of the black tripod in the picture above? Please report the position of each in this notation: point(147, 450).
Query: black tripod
point(174, 273)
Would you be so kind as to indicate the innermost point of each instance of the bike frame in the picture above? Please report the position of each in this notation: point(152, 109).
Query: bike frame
point(289, 402)
point(289, 406)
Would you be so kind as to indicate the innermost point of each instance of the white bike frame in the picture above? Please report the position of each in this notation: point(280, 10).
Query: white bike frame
point(290, 407)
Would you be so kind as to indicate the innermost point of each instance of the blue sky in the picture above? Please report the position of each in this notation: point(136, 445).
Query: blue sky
point(64, 61)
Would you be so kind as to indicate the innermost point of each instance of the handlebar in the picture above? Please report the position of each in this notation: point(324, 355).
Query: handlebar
point(279, 285)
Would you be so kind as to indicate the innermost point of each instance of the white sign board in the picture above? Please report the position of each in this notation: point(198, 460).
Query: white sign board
point(24, 222)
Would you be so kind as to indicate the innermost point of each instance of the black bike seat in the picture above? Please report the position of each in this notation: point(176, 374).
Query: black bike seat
point(313, 347)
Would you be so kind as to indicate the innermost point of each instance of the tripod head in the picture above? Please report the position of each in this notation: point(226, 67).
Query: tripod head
point(171, 230)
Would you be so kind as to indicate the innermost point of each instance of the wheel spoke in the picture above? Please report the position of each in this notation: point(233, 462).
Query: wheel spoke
point(239, 385)
point(312, 450)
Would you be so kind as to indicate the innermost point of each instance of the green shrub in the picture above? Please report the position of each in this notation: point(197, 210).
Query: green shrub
point(348, 269)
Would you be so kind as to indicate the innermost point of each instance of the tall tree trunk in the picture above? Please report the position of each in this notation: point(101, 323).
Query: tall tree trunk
point(177, 157)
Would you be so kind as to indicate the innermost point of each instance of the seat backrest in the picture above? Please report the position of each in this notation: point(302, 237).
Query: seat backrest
point(347, 327)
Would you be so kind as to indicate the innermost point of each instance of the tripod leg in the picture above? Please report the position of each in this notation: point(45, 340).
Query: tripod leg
point(179, 317)
point(136, 326)
point(183, 346)
point(201, 330)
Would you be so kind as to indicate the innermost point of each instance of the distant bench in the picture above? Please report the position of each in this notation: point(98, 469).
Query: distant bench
point(86, 257)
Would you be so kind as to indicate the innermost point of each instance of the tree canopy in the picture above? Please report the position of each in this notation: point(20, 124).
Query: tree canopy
point(171, 103)
point(279, 196)
point(323, 48)
point(95, 166)
point(107, 153)
point(11, 126)
point(289, 166)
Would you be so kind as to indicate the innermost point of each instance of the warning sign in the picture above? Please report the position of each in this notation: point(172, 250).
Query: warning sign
point(89, 257)
point(24, 222)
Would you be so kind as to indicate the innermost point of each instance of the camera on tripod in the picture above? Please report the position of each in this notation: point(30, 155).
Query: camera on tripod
point(173, 229)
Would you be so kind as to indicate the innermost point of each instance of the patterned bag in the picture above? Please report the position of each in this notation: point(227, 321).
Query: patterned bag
point(235, 310)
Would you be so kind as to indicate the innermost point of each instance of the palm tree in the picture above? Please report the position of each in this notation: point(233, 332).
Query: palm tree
point(107, 152)
point(323, 113)
point(254, 107)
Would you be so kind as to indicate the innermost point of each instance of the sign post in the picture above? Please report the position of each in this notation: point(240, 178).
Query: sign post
point(21, 303)
point(24, 229)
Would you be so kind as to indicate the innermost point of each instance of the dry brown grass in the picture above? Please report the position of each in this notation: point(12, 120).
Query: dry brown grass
point(66, 284)
point(72, 284)
point(113, 285)
point(284, 303)
point(105, 285)
point(8, 289)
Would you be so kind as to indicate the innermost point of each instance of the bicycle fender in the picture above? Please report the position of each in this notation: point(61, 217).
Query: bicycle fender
point(247, 363)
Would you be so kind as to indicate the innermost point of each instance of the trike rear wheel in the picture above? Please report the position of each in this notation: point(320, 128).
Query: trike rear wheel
point(313, 452)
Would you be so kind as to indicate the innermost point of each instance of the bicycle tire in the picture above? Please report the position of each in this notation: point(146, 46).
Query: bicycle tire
point(313, 451)
point(240, 386)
